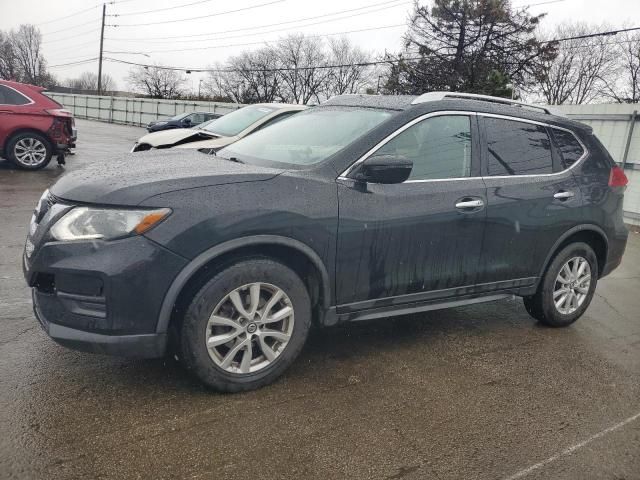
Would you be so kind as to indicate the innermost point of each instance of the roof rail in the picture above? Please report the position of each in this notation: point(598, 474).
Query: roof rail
point(435, 96)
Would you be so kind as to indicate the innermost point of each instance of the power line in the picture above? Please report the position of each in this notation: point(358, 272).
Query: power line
point(249, 43)
point(591, 35)
point(611, 32)
point(275, 30)
point(66, 29)
point(66, 16)
point(273, 24)
point(78, 62)
point(280, 69)
point(267, 41)
point(200, 16)
point(93, 30)
point(543, 3)
point(159, 9)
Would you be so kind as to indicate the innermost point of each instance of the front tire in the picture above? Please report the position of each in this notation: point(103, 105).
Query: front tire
point(246, 325)
point(567, 288)
point(29, 151)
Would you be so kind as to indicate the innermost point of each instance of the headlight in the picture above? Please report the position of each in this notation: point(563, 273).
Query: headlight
point(84, 223)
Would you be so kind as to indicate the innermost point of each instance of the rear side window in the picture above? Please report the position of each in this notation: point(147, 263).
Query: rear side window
point(569, 147)
point(517, 148)
point(8, 96)
point(440, 147)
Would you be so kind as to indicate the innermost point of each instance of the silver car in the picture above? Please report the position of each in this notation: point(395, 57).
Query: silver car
point(221, 132)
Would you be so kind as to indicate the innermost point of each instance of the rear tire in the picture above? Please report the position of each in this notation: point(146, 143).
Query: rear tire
point(29, 150)
point(567, 288)
point(224, 309)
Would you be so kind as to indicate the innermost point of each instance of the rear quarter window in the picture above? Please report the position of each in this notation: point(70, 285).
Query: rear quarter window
point(568, 145)
point(9, 96)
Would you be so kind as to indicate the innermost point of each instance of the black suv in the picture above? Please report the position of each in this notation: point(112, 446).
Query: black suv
point(363, 207)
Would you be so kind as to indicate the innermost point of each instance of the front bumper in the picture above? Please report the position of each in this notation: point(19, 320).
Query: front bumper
point(138, 346)
point(102, 297)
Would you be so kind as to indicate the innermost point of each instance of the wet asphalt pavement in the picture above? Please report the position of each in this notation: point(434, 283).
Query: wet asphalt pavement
point(476, 392)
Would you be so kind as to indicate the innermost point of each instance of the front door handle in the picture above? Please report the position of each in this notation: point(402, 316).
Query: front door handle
point(470, 204)
point(563, 195)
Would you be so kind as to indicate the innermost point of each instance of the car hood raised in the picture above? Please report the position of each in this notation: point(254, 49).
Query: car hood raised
point(168, 138)
point(132, 178)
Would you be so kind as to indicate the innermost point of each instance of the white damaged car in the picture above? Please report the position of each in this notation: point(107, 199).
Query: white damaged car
point(219, 133)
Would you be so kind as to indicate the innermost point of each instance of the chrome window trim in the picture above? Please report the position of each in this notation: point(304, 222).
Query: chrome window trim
point(391, 136)
point(31, 101)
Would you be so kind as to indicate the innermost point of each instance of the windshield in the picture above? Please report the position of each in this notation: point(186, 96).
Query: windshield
point(179, 117)
point(233, 123)
point(203, 125)
point(306, 138)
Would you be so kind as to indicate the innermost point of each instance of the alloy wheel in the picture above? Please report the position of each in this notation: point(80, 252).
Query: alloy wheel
point(249, 328)
point(30, 152)
point(572, 285)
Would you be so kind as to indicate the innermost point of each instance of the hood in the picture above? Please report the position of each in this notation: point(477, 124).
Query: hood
point(216, 143)
point(132, 178)
point(168, 138)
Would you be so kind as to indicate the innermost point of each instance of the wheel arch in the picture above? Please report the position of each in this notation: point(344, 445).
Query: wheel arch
point(590, 234)
point(284, 249)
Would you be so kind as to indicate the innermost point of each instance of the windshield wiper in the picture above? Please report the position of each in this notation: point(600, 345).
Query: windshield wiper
point(234, 159)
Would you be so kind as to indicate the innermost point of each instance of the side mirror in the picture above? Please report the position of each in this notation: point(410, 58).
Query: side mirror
point(384, 169)
point(186, 121)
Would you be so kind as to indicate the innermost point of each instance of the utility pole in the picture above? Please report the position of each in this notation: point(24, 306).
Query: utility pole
point(104, 11)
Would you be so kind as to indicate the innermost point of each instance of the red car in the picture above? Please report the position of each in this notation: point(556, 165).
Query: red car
point(33, 127)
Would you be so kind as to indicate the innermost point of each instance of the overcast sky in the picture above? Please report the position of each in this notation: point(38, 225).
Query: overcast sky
point(203, 40)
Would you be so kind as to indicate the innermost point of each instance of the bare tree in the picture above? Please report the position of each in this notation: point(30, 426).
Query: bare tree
point(250, 77)
point(89, 81)
point(26, 43)
point(226, 84)
point(348, 75)
point(581, 69)
point(9, 69)
point(258, 71)
point(303, 72)
point(156, 82)
point(21, 58)
point(625, 86)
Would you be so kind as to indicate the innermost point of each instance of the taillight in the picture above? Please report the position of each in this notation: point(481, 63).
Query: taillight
point(617, 178)
point(58, 112)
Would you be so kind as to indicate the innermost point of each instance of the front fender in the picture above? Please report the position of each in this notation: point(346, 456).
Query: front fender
point(205, 257)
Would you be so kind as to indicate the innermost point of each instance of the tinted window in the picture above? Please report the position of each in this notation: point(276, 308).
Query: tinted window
point(9, 96)
point(440, 147)
point(568, 145)
point(517, 148)
point(304, 138)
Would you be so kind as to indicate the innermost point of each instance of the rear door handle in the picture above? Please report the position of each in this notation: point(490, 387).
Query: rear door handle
point(470, 204)
point(562, 195)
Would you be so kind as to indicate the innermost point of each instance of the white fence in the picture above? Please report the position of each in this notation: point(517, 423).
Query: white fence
point(133, 111)
point(616, 125)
